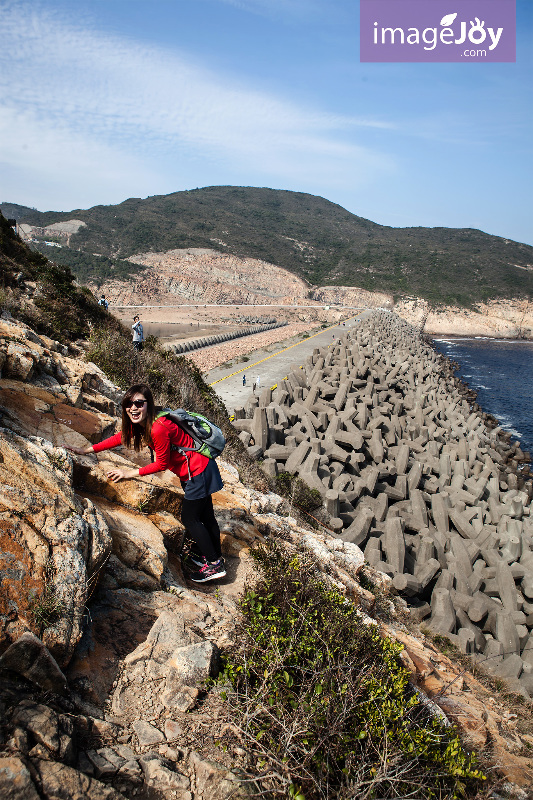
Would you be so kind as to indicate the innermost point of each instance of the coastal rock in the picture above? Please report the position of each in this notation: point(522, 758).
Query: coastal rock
point(15, 780)
point(60, 782)
point(149, 494)
point(180, 276)
point(506, 319)
point(52, 544)
point(31, 659)
point(135, 539)
point(213, 782)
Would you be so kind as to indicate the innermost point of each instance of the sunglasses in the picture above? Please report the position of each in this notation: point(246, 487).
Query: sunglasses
point(136, 403)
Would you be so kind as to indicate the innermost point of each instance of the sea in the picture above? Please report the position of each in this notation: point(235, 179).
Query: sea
point(501, 372)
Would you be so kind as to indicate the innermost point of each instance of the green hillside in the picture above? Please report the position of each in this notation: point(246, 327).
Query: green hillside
point(310, 236)
point(59, 308)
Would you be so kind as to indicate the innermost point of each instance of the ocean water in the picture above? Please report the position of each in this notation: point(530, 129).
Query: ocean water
point(501, 371)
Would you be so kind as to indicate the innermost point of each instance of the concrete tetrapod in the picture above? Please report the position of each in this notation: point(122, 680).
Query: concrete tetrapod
point(423, 482)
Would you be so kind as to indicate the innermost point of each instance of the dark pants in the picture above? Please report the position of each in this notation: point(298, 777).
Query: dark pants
point(199, 519)
point(138, 346)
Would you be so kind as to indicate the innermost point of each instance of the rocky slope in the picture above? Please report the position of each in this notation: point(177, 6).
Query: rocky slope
point(208, 276)
point(205, 276)
point(105, 646)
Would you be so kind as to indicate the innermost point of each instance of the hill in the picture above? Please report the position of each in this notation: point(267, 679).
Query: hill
point(317, 240)
point(43, 294)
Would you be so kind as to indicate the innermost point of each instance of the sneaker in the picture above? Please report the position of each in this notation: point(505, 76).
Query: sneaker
point(193, 557)
point(209, 572)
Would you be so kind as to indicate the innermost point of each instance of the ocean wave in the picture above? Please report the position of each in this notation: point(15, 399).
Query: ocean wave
point(514, 432)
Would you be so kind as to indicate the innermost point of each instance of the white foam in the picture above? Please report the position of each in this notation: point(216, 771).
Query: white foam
point(513, 432)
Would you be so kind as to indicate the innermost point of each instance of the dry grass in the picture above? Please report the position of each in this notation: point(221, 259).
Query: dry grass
point(176, 383)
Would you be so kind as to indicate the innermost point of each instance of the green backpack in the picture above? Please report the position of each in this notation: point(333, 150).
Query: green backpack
point(207, 437)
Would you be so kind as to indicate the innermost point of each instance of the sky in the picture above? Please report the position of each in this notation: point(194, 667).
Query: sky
point(102, 100)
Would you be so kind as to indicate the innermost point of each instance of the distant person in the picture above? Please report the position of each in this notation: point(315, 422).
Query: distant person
point(244, 380)
point(138, 334)
point(257, 382)
point(103, 302)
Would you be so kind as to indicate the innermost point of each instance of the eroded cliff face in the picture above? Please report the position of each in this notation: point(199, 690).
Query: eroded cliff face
point(505, 319)
point(197, 276)
point(105, 646)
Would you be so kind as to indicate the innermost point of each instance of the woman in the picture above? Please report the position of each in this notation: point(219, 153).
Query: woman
point(198, 474)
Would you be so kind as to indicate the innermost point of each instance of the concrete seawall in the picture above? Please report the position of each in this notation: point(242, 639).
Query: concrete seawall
point(418, 477)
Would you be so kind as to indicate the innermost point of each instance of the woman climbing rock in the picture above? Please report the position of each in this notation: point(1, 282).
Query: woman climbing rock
point(174, 450)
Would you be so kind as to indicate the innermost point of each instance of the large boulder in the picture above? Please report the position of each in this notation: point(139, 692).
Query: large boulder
point(53, 545)
point(136, 541)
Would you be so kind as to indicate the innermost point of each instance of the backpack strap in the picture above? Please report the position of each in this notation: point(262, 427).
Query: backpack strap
point(176, 448)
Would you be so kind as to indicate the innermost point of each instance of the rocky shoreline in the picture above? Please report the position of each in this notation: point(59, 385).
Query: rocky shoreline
point(496, 319)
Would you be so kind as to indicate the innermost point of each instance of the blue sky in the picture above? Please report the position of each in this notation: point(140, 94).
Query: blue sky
point(101, 101)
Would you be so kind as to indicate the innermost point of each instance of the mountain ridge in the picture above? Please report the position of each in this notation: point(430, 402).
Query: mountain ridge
point(319, 241)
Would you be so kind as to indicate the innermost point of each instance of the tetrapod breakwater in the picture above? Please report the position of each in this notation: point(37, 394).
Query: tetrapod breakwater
point(206, 341)
point(411, 470)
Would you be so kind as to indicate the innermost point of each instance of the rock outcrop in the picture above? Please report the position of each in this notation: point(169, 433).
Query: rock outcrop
point(104, 645)
point(197, 275)
point(501, 319)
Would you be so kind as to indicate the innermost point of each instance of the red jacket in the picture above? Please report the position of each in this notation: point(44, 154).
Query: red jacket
point(165, 433)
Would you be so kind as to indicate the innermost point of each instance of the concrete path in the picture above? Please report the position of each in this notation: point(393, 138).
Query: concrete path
point(271, 364)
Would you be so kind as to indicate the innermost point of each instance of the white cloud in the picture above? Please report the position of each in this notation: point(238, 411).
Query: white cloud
point(90, 109)
point(53, 168)
point(279, 8)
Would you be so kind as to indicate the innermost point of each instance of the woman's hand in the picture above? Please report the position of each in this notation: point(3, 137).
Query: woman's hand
point(117, 475)
point(81, 451)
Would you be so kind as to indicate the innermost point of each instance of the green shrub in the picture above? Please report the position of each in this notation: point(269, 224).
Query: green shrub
point(322, 702)
point(298, 492)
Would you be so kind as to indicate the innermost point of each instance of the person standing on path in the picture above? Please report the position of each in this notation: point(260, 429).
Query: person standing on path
point(103, 302)
point(174, 450)
point(244, 380)
point(138, 334)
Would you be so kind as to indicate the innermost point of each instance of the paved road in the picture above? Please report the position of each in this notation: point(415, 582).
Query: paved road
point(334, 306)
point(271, 365)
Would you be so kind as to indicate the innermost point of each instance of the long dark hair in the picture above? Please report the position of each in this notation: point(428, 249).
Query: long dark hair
point(139, 434)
